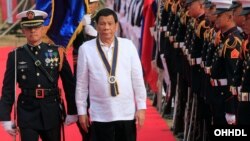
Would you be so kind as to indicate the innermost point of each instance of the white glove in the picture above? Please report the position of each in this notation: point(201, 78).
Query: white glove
point(70, 119)
point(90, 30)
point(86, 19)
point(9, 127)
point(231, 119)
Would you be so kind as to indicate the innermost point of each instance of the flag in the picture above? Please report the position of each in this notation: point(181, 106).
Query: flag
point(7, 7)
point(64, 19)
point(149, 17)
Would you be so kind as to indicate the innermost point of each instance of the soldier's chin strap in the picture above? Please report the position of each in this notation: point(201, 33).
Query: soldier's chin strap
point(38, 63)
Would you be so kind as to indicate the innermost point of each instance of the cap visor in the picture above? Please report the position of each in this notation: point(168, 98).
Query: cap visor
point(208, 5)
point(217, 12)
point(245, 12)
point(234, 6)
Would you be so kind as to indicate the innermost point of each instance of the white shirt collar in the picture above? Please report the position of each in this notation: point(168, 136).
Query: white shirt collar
point(105, 45)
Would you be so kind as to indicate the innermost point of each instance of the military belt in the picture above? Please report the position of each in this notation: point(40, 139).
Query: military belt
point(202, 64)
point(178, 44)
point(184, 49)
point(164, 28)
point(186, 52)
point(171, 39)
point(195, 61)
point(235, 90)
point(218, 82)
point(41, 93)
point(167, 33)
point(244, 96)
point(207, 70)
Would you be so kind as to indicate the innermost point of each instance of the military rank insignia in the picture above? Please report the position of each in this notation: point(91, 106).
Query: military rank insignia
point(235, 54)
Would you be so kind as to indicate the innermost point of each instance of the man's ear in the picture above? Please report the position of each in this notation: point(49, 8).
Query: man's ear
point(116, 26)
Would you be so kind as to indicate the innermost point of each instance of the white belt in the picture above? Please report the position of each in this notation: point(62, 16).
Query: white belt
point(171, 38)
point(189, 58)
point(207, 70)
point(164, 28)
point(244, 96)
point(218, 82)
point(235, 90)
point(178, 44)
point(184, 49)
point(202, 64)
point(195, 61)
point(167, 33)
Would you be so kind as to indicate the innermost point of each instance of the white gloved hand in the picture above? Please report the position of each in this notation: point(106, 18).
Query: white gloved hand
point(86, 19)
point(9, 127)
point(90, 30)
point(231, 119)
point(70, 119)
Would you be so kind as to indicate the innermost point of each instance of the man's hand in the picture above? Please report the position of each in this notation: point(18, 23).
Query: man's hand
point(84, 122)
point(140, 117)
point(231, 119)
point(153, 64)
point(70, 119)
point(9, 127)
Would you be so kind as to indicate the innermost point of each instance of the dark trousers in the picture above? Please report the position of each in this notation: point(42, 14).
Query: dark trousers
point(85, 136)
point(114, 131)
point(218, 105)
point(28, 134)
point(243, 113)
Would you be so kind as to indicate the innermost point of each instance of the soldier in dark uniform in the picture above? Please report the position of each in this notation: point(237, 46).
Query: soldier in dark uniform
point(88, 32)
point(36, 67)
point(181, 95)
point(208, 50)
point(197, 11)
point(243, 113)
point(225, 74)
point(237, 8)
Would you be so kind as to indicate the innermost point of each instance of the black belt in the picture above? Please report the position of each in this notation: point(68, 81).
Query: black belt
point(41, 93)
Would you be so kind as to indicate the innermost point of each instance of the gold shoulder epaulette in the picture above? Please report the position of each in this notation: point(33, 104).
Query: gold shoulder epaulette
point(202, 24)
point(217, 38)
point(211, 33)
point(244, 47)
point(167, 3)
point(206, 35)
point(174, 7)
point(231, 43)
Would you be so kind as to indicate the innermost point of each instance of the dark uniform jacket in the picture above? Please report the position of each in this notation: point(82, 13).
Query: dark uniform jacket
point(226, 57)
point(225, 64)
point(246, 70)
point(32, 111)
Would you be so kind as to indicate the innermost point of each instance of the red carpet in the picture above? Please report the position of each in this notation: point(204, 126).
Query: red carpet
point(155, 128)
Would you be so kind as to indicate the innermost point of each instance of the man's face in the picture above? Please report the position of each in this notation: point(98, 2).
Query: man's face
point(221, 20)
point(106, 27)
point(237, 18)
point(193, 9)
point(246, 23)
point(209, 14)
point(33, 34)
point(93, 6)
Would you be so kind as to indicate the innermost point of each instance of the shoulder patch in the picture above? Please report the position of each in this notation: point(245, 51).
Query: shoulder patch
point(235, 54)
